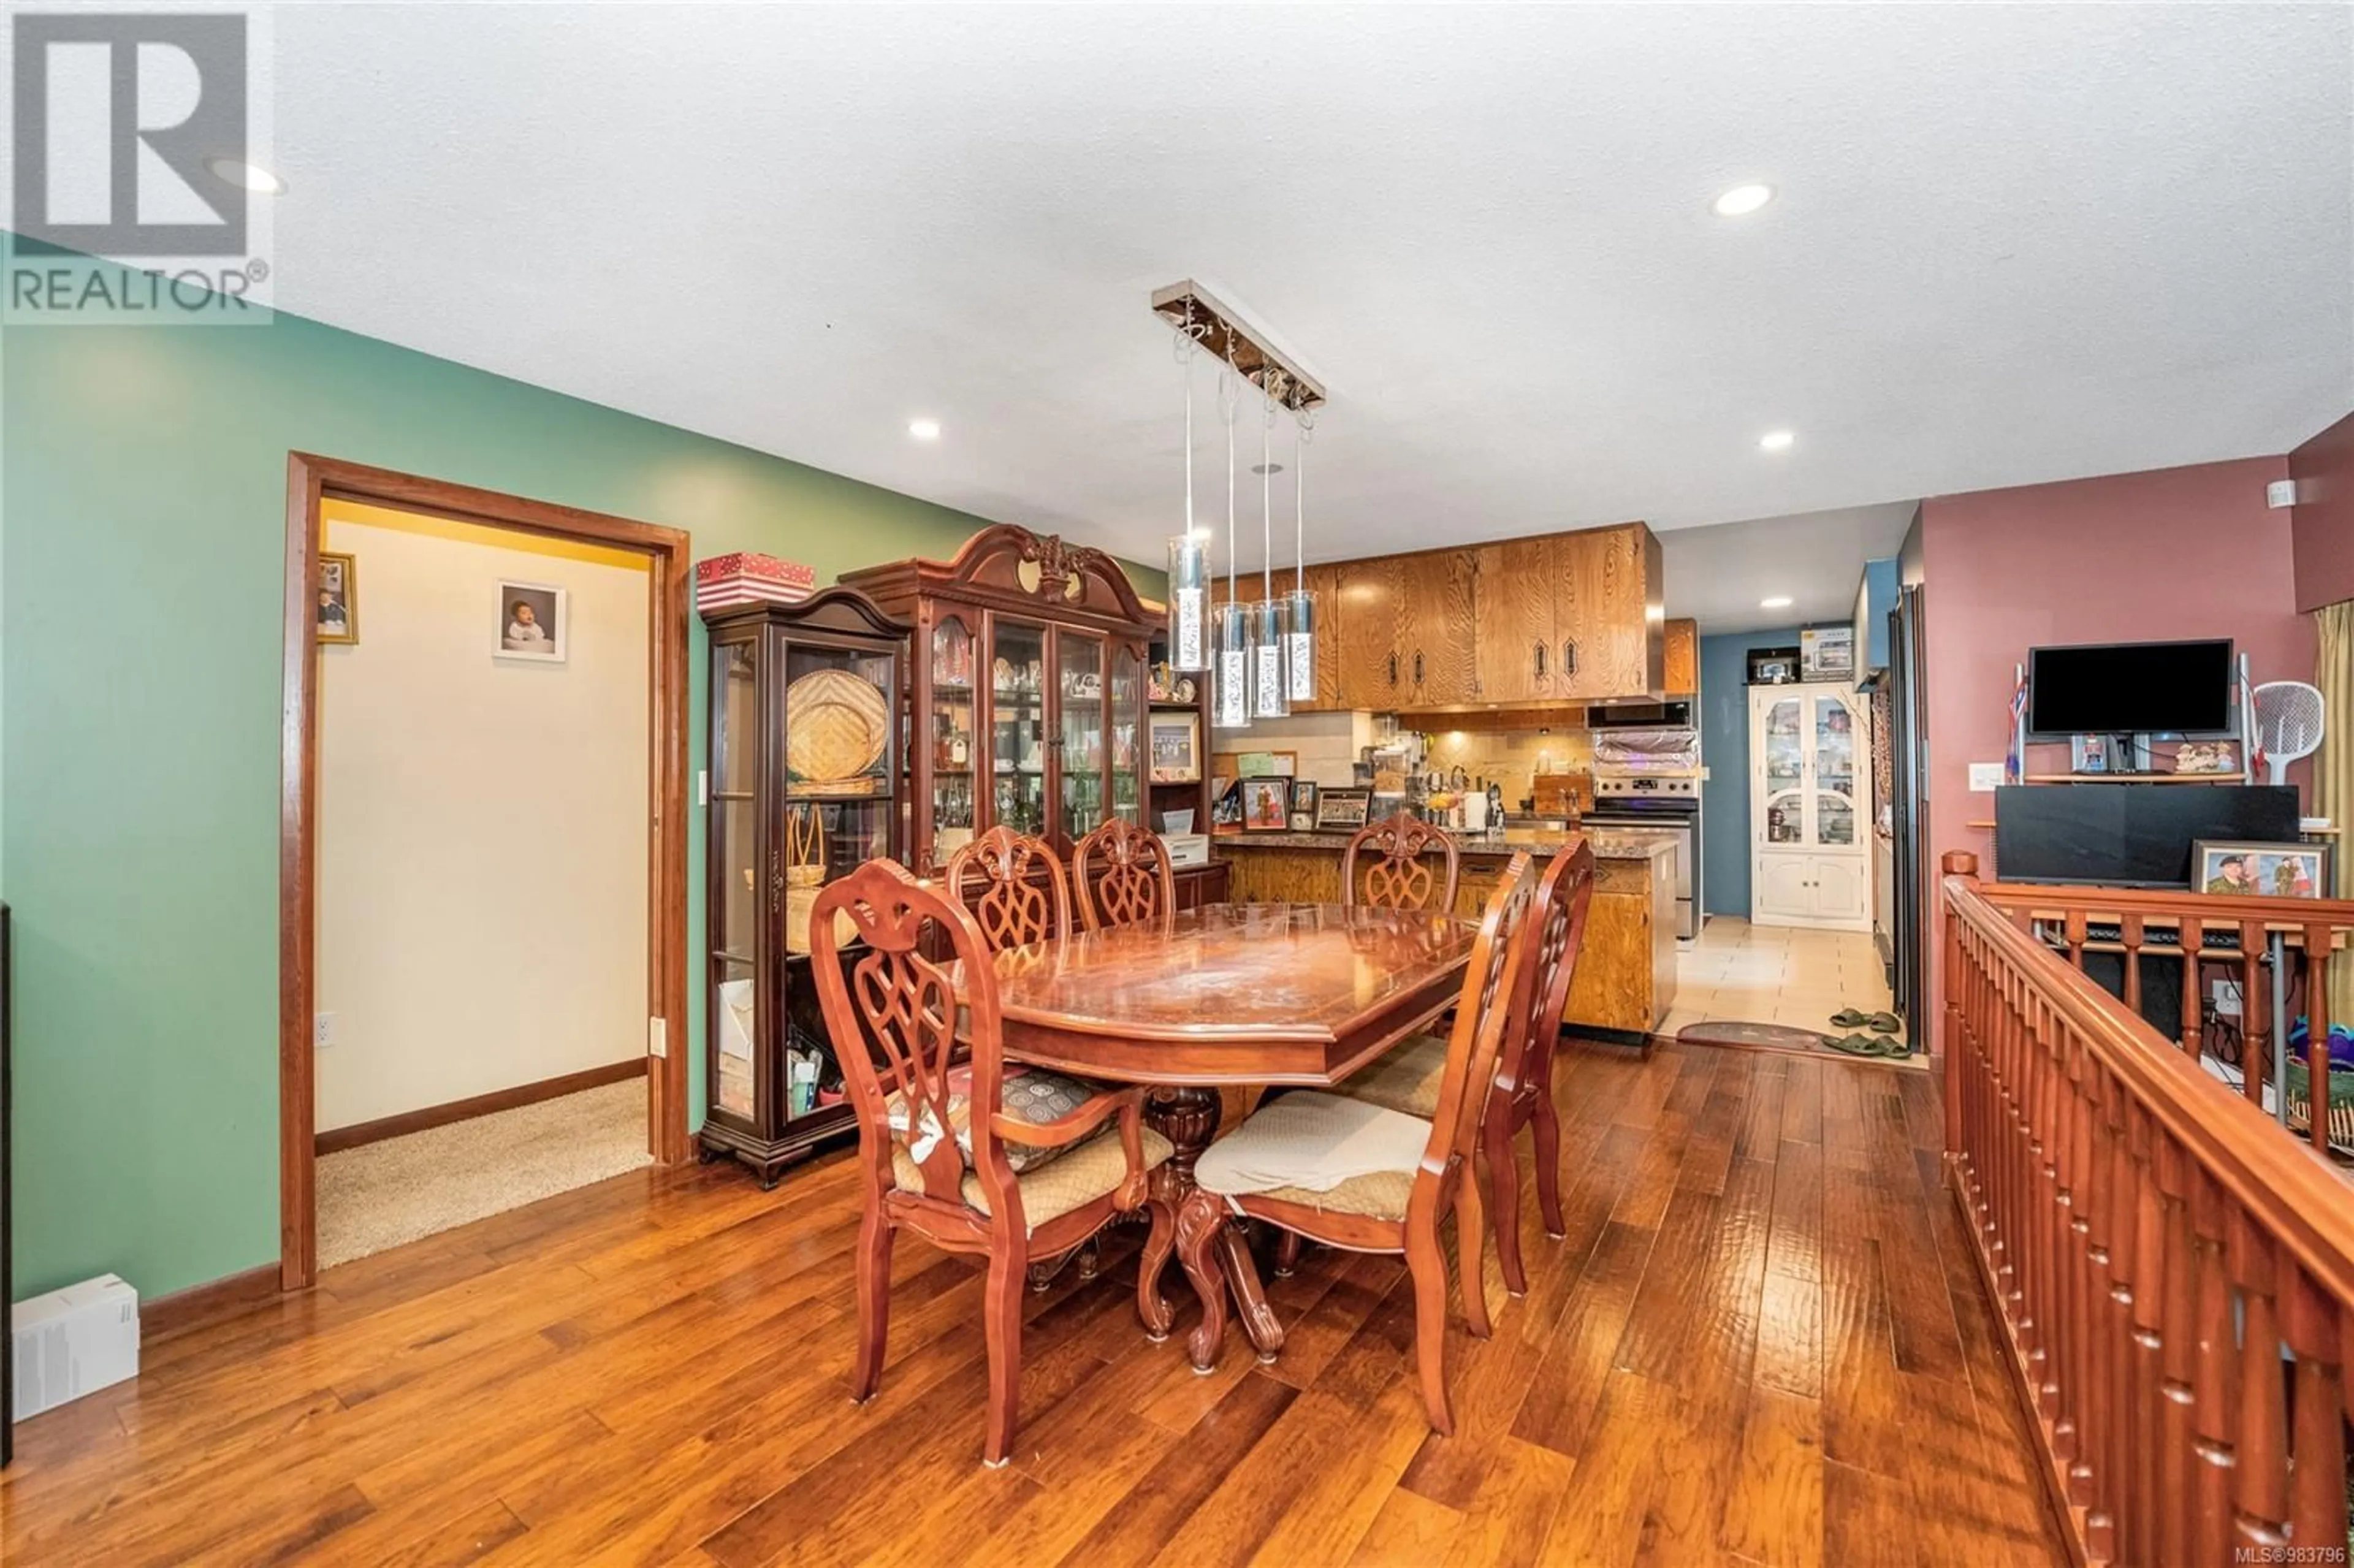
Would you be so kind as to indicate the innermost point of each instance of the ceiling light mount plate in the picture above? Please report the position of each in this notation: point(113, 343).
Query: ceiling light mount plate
point(1194, 310)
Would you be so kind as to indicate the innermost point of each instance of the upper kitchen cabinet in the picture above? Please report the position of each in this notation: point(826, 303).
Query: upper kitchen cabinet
point(1609, 617)
point(1682, 658)
point(1439, 641)
point(1518, 655)
point(1371, 599)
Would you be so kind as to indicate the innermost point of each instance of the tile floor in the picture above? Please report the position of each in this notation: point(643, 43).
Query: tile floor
point(1775, 974)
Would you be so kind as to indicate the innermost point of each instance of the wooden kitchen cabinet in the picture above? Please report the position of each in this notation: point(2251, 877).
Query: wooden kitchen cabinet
point(1440, 645)
point(1517, 654)
point(1680, 658)
point(1609, 613)
point(1372, 599)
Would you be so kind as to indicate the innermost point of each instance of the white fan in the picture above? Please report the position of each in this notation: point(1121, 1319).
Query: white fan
point(2288, 723)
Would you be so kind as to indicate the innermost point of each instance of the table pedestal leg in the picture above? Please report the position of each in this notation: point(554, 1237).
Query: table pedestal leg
point(1208, 1240)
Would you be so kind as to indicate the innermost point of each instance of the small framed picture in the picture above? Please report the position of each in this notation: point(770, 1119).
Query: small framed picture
point(339, 598)
point(1267, 805)
point(2260, 870)
point(1303, 801)
point(1344, 807)
point(1176, 744)
point(531, 622)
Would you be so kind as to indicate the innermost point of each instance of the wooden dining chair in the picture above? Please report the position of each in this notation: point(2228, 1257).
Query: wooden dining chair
point(1135, 884)
point(1398, 877)
point(1361, 1177)
point(1521, 1094)
point(974, 1156)
point(1022, 897)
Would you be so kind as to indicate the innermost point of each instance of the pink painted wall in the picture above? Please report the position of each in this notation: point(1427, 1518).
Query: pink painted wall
point(2177, 552)
point(2324, 526)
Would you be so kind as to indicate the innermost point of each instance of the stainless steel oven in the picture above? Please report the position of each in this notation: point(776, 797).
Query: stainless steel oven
point(1657, 805)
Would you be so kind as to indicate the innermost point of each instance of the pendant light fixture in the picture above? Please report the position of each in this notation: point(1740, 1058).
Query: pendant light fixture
point(1271, 617)
point(1188, 551)
point(1299, 648)
point(1232, 680)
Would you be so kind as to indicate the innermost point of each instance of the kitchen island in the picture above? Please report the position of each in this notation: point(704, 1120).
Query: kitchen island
point(1626, 977)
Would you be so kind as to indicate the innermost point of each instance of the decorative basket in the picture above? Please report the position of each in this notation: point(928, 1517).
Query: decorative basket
point(804, 875)
point(836, 727)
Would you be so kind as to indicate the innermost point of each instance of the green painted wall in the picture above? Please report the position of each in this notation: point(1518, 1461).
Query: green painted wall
point(142, 476)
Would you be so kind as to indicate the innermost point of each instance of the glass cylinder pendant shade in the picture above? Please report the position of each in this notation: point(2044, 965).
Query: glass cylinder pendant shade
point(1270, 637)
point(1189, 602)
point(1299, 645)
point(1231, 681)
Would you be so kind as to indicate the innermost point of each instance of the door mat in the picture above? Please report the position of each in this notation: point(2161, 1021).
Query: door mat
point(1727, 1031)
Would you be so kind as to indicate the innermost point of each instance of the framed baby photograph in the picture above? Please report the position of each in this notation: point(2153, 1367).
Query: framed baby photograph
point(531, 623)
point(1303, 802)
point(339, 598)
point(2259, 870)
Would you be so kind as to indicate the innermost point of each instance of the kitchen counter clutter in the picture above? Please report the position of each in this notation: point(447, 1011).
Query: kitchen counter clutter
point(1626, 978)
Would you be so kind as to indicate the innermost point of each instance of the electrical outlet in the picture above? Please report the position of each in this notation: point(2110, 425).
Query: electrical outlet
point(657, 1037)
point(1986, 777)
point(323, 1029)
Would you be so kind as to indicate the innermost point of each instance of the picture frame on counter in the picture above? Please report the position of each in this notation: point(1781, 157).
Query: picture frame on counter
point(2248, 870)
point(1266, 804)
point(1303, 802)
point(1344, 807)
point(1175, 747)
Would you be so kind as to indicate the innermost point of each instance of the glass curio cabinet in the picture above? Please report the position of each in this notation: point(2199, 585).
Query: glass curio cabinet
point(1810, 749)
point(807, 779)
point(1029, 689)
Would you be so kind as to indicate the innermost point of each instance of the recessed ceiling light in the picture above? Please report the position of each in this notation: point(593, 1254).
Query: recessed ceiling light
point(1780, 601)
point(1775, 441)
point(924, 429)
point(246, 176)
point(1741, 200)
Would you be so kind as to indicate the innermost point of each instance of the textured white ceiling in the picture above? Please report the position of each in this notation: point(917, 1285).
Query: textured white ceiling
point(2013, 243)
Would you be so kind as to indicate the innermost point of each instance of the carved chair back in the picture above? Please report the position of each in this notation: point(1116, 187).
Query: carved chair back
point(1481, 1017)
point(1022, 896)
point(1553, 933)
point(903, 1005)
point(1135, 886)
point(1399, 878)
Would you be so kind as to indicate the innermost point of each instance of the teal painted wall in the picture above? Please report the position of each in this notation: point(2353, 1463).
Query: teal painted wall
point(1725, 747)
point(143, 480)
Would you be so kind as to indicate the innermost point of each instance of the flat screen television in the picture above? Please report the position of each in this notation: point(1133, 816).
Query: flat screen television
point(2130, 835)
point(2132, 688)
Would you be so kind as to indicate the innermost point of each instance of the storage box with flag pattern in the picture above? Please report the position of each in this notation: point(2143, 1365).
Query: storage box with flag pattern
point(722, 582)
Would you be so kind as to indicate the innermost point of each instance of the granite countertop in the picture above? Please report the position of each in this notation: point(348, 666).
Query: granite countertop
point(1542, 845)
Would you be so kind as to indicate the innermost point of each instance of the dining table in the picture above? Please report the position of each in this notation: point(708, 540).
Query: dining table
point(1226, 996)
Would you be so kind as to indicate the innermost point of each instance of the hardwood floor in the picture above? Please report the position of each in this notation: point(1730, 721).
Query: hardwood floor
point(1761, 1342)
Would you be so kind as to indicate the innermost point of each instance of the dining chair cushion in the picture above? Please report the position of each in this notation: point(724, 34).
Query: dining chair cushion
point(1310, 1142)
point(1086, 1172)
point(1404, 1079)
point(1028, 1094)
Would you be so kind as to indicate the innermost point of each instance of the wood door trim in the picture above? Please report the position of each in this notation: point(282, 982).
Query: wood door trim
point(309, 481)
point(358, 1133)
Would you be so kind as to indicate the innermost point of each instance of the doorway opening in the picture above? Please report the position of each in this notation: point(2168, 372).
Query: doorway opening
point(482, 856)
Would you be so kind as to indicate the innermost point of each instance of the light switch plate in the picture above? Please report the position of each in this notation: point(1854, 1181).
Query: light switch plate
point(1985, 777)
point(703, 786)
point(657, 1037)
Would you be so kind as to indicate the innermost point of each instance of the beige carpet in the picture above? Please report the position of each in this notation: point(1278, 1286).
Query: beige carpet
point(382, 1194)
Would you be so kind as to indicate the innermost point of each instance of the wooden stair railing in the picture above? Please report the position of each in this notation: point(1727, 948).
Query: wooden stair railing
point(2174, 1278)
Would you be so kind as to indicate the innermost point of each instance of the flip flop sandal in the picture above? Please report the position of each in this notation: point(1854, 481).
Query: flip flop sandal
point(1884, 1023)
point(1868, 1045)
point(1849, 1018)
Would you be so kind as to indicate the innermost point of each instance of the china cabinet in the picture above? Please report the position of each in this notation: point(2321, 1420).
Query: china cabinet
point(807, 780)
point(1809, 747)
point(1029, 686)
